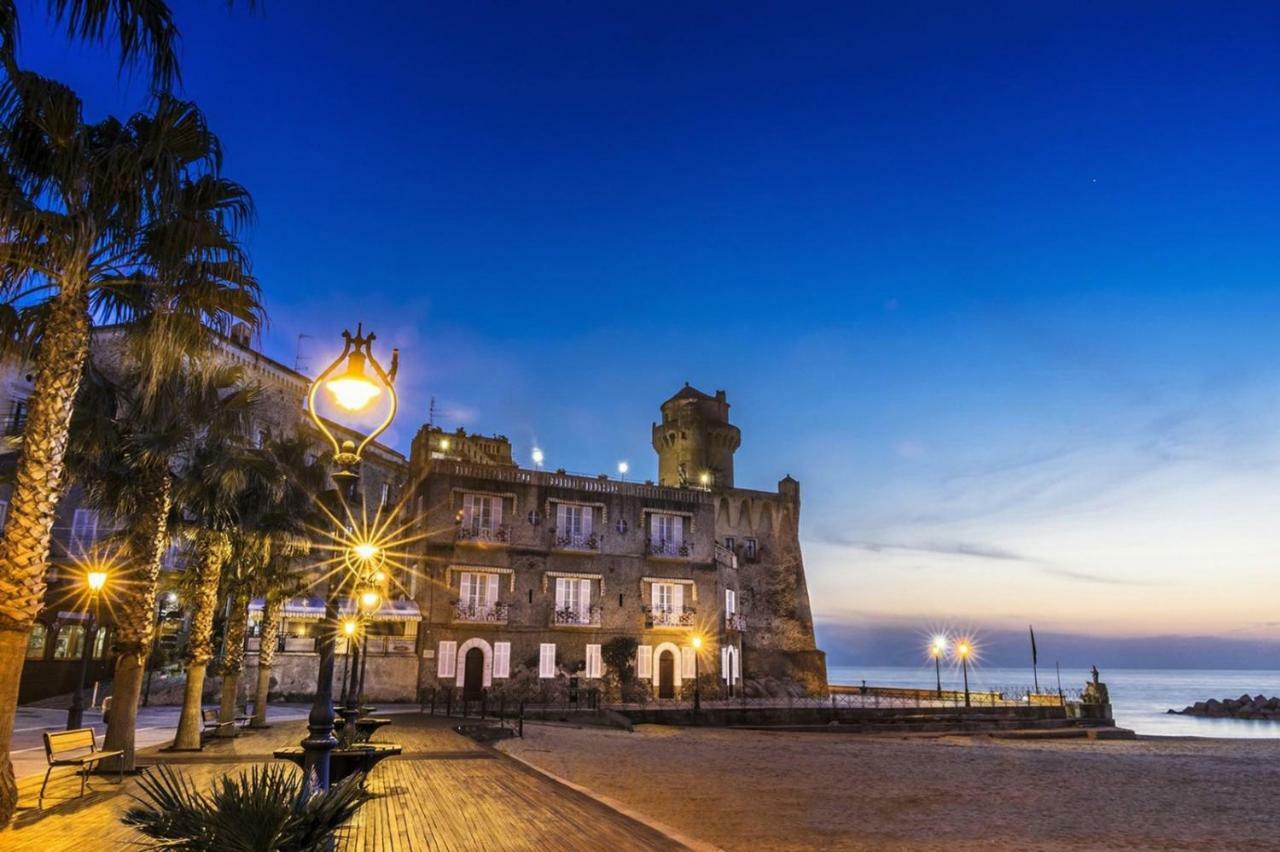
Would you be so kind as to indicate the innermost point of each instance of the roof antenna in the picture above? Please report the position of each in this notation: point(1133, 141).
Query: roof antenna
point(297, 355)
point(431, 413)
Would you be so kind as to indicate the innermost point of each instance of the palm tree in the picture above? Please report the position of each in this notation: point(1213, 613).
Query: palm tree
point(143, 29)
point(250, 552)
point(124, 449)
point(208, 492)
point(285, 521)
point(76, 200)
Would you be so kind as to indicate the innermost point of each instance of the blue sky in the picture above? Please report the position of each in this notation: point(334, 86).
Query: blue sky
point(996, 282)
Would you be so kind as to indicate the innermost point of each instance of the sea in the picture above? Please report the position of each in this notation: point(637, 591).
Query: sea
point(1140, 698)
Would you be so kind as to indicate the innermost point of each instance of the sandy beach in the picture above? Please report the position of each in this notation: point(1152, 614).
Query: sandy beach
point(772, 790)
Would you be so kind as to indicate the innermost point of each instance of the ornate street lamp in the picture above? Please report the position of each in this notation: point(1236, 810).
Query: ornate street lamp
point(95, 580)
point(936, 650)
point(353, 380)
point(964, 651)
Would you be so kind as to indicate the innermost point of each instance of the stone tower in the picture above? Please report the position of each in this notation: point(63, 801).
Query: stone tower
point(695, 440)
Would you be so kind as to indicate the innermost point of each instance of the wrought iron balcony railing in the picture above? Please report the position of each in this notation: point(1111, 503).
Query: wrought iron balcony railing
point(483, 535)
point(589, 542)
point(726, 557)
point(735, 621)
point(669, 617)
point(494, 613)
point(670, 549)
point(577, 616)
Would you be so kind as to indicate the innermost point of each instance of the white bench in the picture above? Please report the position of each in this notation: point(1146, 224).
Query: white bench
point(78, 748)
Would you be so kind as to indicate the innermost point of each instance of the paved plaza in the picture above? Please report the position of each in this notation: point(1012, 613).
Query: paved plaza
point(445, 792)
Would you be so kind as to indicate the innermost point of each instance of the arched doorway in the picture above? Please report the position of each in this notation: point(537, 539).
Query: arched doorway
point(473, 675)
point(666, 674)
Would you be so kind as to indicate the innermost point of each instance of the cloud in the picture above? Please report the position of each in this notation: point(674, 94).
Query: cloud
point(909, 449)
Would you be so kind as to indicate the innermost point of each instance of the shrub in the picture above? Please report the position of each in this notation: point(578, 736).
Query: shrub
point(269, 808)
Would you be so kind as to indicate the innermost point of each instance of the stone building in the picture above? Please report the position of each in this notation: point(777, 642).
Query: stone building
point(532, 573)
point(57, 641)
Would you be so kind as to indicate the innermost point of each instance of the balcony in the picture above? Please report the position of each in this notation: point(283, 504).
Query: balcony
point(669, 549)
point(669, 617)
point(482, 535)
point(735, 621)
point(575, 542)
point(725, 557)
point(494, 613)
point(576, 616)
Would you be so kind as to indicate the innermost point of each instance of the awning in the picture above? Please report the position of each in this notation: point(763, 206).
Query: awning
point(312, 609)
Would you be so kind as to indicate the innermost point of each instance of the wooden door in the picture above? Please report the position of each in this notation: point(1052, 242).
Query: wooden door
point(473, 678)
point(666, 675)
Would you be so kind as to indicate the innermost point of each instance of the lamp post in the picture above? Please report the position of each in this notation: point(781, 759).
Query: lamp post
point(95, 579)
point(349, 628)
point(964, 650)
point(352, 390)
point(696, 642)
point(936, 650)
point(369, 599)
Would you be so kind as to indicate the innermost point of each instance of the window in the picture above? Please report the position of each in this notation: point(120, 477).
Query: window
point(263, 437)
point(446, 657)
point(481, 514)
point(479, 591)
point(502, 659)
point(595, 663)
point(730, 542)
point(573, 600)
point(663, 596)
point(730, 602)
point(84, 529)
point(666, 529)
point(547, 660)
point(69, 644)
point(385, 497)
point(4, 512)
point(573, 524)
point(37, 641)
point(100, 644)
point(644, 662)
point(749, 548)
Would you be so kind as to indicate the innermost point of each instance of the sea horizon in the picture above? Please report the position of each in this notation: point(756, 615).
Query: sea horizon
point(1140, 698)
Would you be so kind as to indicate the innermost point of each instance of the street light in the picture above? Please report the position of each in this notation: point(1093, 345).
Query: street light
point(936, 650)
point(95, 580)
point(349, 381)
point(696, 642)
point(349, 628)
point(964, 650)
point(623, 467)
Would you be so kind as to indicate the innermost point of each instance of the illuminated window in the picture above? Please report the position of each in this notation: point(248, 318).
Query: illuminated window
point(69, 643)
point(37, 641)
point(100, 644)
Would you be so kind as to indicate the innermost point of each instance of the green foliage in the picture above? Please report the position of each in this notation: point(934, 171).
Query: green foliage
point(619, 656)
point(268, 809)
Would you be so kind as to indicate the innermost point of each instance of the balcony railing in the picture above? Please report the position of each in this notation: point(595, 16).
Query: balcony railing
point(483, 535)
point(669, 617)
point(586, 542)
point(726, 557)
point(577, 616)
point(494, 613)
point(735, 621)
point(670, 549)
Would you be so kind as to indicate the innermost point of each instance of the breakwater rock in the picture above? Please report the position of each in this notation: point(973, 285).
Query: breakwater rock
point(1244, 707)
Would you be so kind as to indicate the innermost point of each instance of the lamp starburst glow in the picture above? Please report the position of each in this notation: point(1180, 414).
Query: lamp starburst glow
point(353, 390)
point(366, 551)
point(370, 600)
point(96, 579)
point(696, 642)
point(350, 626)
point(938, 646)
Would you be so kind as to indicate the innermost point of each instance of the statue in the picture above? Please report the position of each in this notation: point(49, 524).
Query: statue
point(1095, 692)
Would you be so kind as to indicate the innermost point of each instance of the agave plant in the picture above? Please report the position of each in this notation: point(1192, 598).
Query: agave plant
point(267, 809)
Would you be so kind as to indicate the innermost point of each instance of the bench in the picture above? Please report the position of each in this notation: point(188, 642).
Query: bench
point(77, 747)
point(211, 723)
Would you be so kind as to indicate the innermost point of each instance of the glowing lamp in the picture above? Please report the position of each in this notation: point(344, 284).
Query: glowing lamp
point(623, 467)
point(366, 551)
point(96, 580)
point(939, 646)
point(349, 627)
point(537, 456)
point(704, 478)
point(963, 650)
point(352, 389)
point(370, 600)
point(696, 642)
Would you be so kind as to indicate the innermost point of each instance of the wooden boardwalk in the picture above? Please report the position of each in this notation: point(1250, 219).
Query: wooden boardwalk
point(445, 792)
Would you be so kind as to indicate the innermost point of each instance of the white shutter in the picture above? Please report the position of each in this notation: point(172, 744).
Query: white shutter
point(677, 600)
point(737, 665)
point(594, 667)
point(687, 662)
point(730, 602)
point(724, 663)
point(495, 508)
point(501, 659)
point(587, 512)
point(562, 519)
point(547, 659)
point(655, 529)
point(492, 597)
point(562, 592)
point(677, 530)
point(446, 656)
point(653, 596)
point(584, 596)
point(468, 510)
point(644, 662)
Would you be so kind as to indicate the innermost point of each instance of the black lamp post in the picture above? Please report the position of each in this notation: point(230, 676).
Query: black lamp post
point(963, 651)
point(696, 642)
point(95, 580)
point(352, 390)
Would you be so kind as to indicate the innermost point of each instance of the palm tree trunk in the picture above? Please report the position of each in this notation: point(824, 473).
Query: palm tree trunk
point(233, 659)
point(211, 552)
point(135, 619)
point(24, 550)
point(272, 609)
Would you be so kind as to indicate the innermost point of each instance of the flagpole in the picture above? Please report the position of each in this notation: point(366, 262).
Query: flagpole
point(1059, 670)
point(1035, 674)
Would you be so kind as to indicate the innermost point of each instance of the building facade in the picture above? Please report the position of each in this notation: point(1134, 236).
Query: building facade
point(532, 574)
